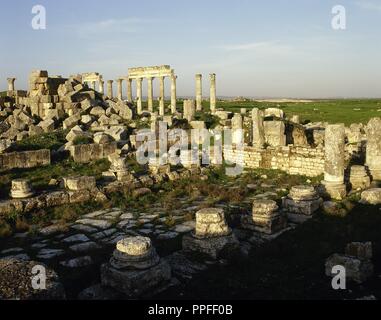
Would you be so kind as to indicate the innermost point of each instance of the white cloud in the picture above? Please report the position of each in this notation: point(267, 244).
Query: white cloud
point(112, 26)
point(369, 5)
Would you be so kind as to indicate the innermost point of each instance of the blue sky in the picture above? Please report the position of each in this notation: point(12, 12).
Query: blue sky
point(274, 48)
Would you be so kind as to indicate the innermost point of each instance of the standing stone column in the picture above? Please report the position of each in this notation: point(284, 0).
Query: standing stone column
point(213, 97)
point(129, 90)
point(258, 128)
point(173, 94)
point(334, 161)
point(101, 86)
point(150, 95)
point(11, 84)
point(237, 125)
point(120, 89)
point(93, 85)
point(198, 92)
point(373, 148)
point(162, 96)
point(139, 95)
point(109, 89)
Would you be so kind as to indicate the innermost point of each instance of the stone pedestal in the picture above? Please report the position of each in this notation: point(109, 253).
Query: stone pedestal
point(334, 162)
point(265, 218)
point(213, 97)
point(135, 269)
point(21, 189)
point(359, 178)
point(373, 148)
point(212, 236)
point(198, 92)
point(302, 201)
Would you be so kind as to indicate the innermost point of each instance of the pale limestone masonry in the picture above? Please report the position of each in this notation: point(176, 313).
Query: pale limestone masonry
point(291, 159)
point(275, 133)
point(371, 196)
point(86, 153)
point(110, 93)
point(258, 128)
point(265, 218)
point(189, 110)
point(373, 148)
point(334, 161)
point(119, 89)
point(139, 82)
point(212, 236)
point(151, 73)
point(173, 93)
point(162, 97)
point(150, 94)
point(24, 159)
point(359, 178)
point(129, 90)
point(237, 129)
point(135, 269)
point(189, 158)
point(80, 183)
point(213, 94)
point(301, 201)
point(11, 84)
point(21, 189)
point(101, 86)
point(198, 92)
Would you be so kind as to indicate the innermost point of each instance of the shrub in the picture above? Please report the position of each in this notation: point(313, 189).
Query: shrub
point(5, 229)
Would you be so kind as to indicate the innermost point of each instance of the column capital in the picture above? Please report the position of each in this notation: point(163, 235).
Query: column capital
point(110, 81)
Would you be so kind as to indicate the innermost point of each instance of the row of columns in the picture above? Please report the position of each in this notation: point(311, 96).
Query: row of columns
point(213, 96)
point(139, 95)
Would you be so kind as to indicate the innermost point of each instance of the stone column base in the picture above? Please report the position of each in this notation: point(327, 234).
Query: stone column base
point(210, 247)
point(304, 207)
point(336, 191)
point(266, 225)
point(135, 283)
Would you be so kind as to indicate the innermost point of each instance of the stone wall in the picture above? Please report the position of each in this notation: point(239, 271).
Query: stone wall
point(291, 159)
point(24, 159)
point(86, 153)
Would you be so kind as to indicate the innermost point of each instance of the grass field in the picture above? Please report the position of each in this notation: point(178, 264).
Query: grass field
point(332, 111)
